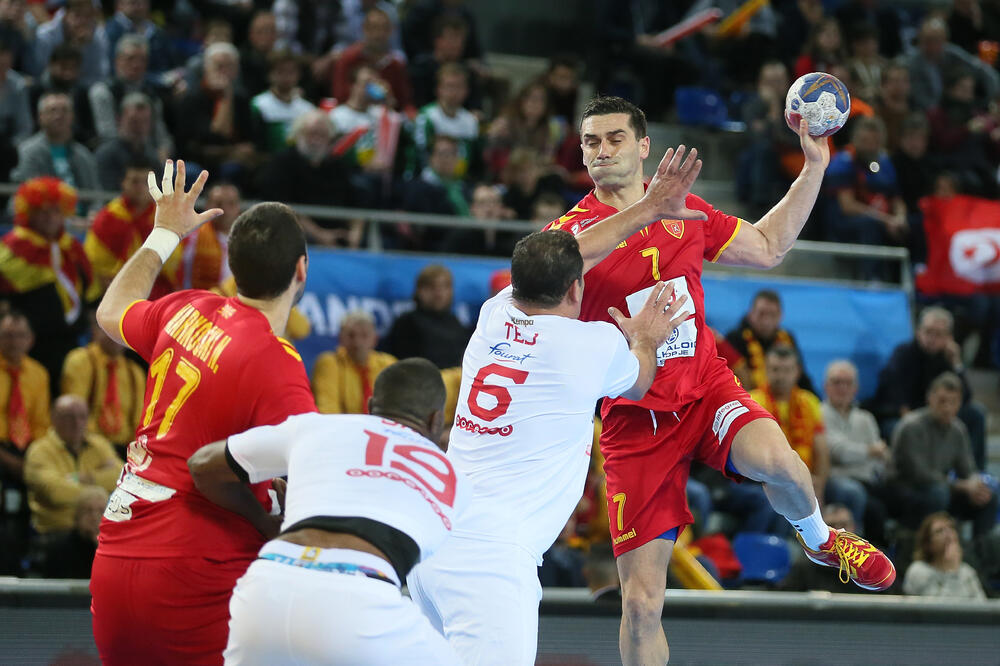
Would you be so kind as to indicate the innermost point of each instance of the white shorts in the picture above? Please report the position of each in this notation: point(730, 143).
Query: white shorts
point(285, 614)
point(484, 597)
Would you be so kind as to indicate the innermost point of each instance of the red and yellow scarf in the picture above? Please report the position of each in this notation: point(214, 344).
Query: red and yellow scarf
point(756, 353)
point(796, 419)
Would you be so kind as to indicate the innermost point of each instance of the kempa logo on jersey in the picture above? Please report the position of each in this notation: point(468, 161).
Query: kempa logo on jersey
point(522, 322)
point(500, 350)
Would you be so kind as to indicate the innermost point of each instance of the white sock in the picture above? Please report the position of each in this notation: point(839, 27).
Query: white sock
point(813, 529)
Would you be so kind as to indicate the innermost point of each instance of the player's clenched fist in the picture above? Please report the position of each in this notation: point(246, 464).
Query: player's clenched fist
point(659, 317)
point(174, 207)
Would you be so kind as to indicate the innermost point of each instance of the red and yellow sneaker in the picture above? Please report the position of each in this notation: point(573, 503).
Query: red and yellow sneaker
point(857, 559)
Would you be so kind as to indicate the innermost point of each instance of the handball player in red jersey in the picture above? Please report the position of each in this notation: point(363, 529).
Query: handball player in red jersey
point(696, 409)
point(168, 558)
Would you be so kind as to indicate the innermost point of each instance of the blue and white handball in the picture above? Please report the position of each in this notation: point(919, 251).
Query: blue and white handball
point(822, 100)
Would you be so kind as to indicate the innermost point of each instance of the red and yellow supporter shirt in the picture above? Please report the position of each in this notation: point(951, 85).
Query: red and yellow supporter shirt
point(215, 369)
point(118, 231)
point(29, 261)
point(671, 251)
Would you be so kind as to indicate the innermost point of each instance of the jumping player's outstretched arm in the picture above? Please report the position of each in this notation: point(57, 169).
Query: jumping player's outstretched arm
point(649, 329)
point(664, 199)
point(765, 244)
point(175, 218)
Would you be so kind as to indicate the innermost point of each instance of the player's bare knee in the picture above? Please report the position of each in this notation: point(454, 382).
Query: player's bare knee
point(642, 611)
point(774, 462)
point(788, 466)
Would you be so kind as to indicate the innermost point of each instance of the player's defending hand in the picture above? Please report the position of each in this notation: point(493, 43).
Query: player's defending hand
point(174, 207)
point(659, 317)
point(816, 148)
point(668, 190)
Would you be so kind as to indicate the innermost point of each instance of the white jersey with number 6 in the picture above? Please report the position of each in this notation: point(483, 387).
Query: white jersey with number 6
point(357, 466)
point(524, 421)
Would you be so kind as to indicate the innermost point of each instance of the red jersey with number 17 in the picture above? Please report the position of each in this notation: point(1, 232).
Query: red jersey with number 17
point(215, 370)
point(671, 251)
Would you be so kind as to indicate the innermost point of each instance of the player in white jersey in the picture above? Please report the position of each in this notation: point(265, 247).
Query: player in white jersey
point(531, 376)
point(368, 497)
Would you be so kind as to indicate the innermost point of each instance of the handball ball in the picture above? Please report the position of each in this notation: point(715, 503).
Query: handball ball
point(822, 100)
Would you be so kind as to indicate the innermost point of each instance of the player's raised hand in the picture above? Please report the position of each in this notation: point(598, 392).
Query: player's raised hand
point(175, 207)
point(668, 190)
point(657, 320)
point(816, 148)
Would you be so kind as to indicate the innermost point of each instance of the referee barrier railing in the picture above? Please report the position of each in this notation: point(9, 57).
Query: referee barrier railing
point(829, 262)
point(48, 621)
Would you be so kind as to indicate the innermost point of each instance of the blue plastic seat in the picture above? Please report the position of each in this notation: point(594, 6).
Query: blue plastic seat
point(700, 106)
point(764, 557)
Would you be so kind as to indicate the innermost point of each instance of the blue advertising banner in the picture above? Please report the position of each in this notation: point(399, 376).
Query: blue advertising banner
point(829, 321)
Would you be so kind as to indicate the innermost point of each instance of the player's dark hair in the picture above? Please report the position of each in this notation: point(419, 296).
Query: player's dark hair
point(410, 389)
point(544, 266)
point(265, 243)
point(603, 106)
point(767, 295)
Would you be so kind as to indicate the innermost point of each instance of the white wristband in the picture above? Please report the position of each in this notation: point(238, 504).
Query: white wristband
point(163, 242)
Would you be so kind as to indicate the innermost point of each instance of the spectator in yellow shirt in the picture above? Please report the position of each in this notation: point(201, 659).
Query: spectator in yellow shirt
point(343, 380)
point(797, 411)
point(112, 384)
point(24, 396)
point(61, 464)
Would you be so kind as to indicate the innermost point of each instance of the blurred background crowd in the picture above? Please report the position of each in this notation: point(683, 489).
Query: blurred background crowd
point(399, 106)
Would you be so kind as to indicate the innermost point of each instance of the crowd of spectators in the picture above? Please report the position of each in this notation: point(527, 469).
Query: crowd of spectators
point(379, 105)
point(342, 104)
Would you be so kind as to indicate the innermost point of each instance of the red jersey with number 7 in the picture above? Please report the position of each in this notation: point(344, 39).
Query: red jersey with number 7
point(215, 369)
point(672, 251)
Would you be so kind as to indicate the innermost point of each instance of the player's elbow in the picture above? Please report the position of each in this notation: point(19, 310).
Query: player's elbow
point(108, 317)
point(772, 259)
point(200, 466)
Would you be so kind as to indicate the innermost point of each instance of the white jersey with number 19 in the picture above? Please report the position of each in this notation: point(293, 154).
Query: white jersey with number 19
point(524, 422)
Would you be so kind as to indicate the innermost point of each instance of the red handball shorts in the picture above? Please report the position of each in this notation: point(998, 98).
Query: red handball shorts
point(648, 457)
point(162, 611)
